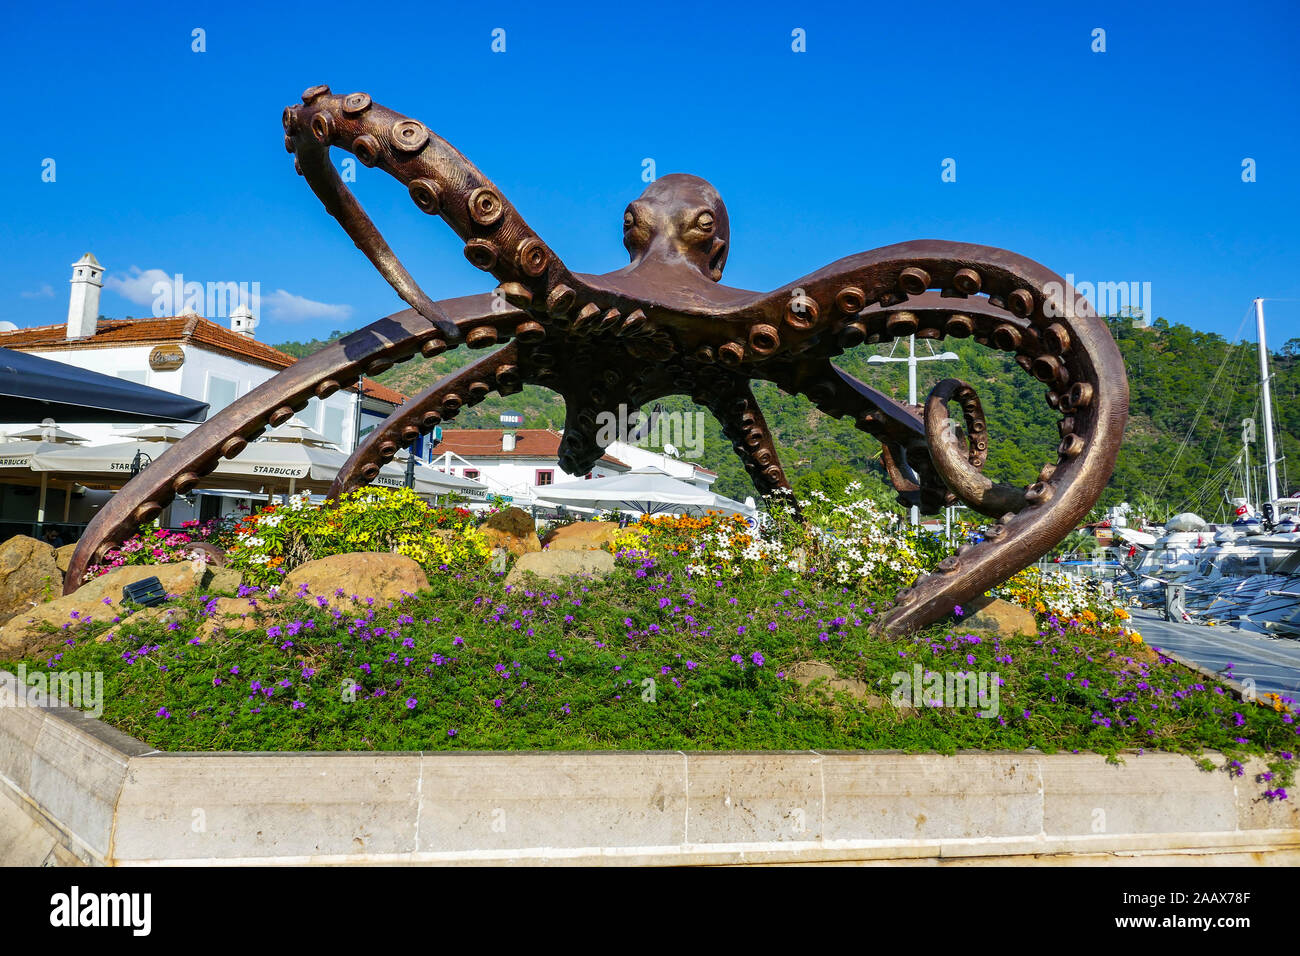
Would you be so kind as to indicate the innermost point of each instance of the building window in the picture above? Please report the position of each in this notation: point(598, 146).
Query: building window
point(221, 392)
point(471, 472)
point(545, 477)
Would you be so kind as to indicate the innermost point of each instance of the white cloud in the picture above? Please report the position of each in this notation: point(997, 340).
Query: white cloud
point(138, 286)
point(44, 292)
point(292, 308)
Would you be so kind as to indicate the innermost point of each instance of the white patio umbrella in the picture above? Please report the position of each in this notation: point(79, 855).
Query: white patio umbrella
point(298, 463)
point(111, 465)
point(428, 480)
point(167, 433)
point(645, 490)
point(16, 456)
point(48, 431)
point(296, 430)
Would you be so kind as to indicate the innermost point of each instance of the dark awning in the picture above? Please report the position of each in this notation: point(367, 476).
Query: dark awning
point(33, 389)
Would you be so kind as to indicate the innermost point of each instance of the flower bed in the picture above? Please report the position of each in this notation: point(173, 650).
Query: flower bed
point(274, 541)
point(154, 545)
point(654, 657)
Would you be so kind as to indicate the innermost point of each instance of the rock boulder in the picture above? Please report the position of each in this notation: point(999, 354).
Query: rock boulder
point(63, 556)
point(371, 574)
point(581, 536)
point(24, 634)
point(1001, 617)
point(556, 565)
point(29, 575)
point(513, 530)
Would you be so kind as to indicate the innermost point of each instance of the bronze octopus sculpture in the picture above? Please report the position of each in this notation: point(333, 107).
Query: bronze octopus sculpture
point(664, 325)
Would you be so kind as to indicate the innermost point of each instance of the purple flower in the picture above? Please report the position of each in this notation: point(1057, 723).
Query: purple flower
point(757, 658)
point(410, 703)
point(498, 703)
point(452, 732)
point(957, 610)
point(163, 712)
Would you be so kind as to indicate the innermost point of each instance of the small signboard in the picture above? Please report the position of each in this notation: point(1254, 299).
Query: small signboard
point(512, 419)
point(164, 358)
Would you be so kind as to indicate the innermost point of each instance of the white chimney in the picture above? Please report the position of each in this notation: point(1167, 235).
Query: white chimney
point(242, 321)
point(507, 441)
point(83, 304)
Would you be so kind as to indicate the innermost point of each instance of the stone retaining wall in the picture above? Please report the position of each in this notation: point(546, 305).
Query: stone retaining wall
point(74, 790)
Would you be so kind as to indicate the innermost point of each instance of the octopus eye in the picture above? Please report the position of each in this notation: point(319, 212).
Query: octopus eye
point(704, 222)
point(629, 220)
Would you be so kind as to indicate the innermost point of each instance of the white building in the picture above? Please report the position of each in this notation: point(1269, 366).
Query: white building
point(520, 463)
point(185, 354)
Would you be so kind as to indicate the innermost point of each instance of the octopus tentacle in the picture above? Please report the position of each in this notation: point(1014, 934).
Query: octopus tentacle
point(368, 351)
point(1004, 301)
point(395, 338)
point(897, 427)
point(732, 402)
point(441, 182)
point(439, 403)
point(959, 467)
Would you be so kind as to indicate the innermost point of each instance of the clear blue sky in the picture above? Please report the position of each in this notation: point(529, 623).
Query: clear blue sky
point(1115, 166)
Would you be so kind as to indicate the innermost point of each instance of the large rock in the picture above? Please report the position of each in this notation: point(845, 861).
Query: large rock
point(556, 565)
point(224, 580)
point(29, 575)
point(515, 521)
point(63, 556)
point(369, 574)
point(513, 530)
point(1001, 617)
point(24, 634)
point(581, 536)
point(822, 677)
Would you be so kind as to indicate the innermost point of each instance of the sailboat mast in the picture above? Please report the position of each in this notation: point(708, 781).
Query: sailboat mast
point(1270, 455)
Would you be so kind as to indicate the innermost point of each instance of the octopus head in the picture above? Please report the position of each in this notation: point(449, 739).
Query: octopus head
point(679, 219)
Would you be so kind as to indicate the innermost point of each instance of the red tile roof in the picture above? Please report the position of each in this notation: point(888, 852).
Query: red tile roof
point(486, 443)
point(192, 329)
point(383, 393)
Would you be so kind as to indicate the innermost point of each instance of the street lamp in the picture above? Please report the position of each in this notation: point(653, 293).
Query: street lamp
point(911, 360)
